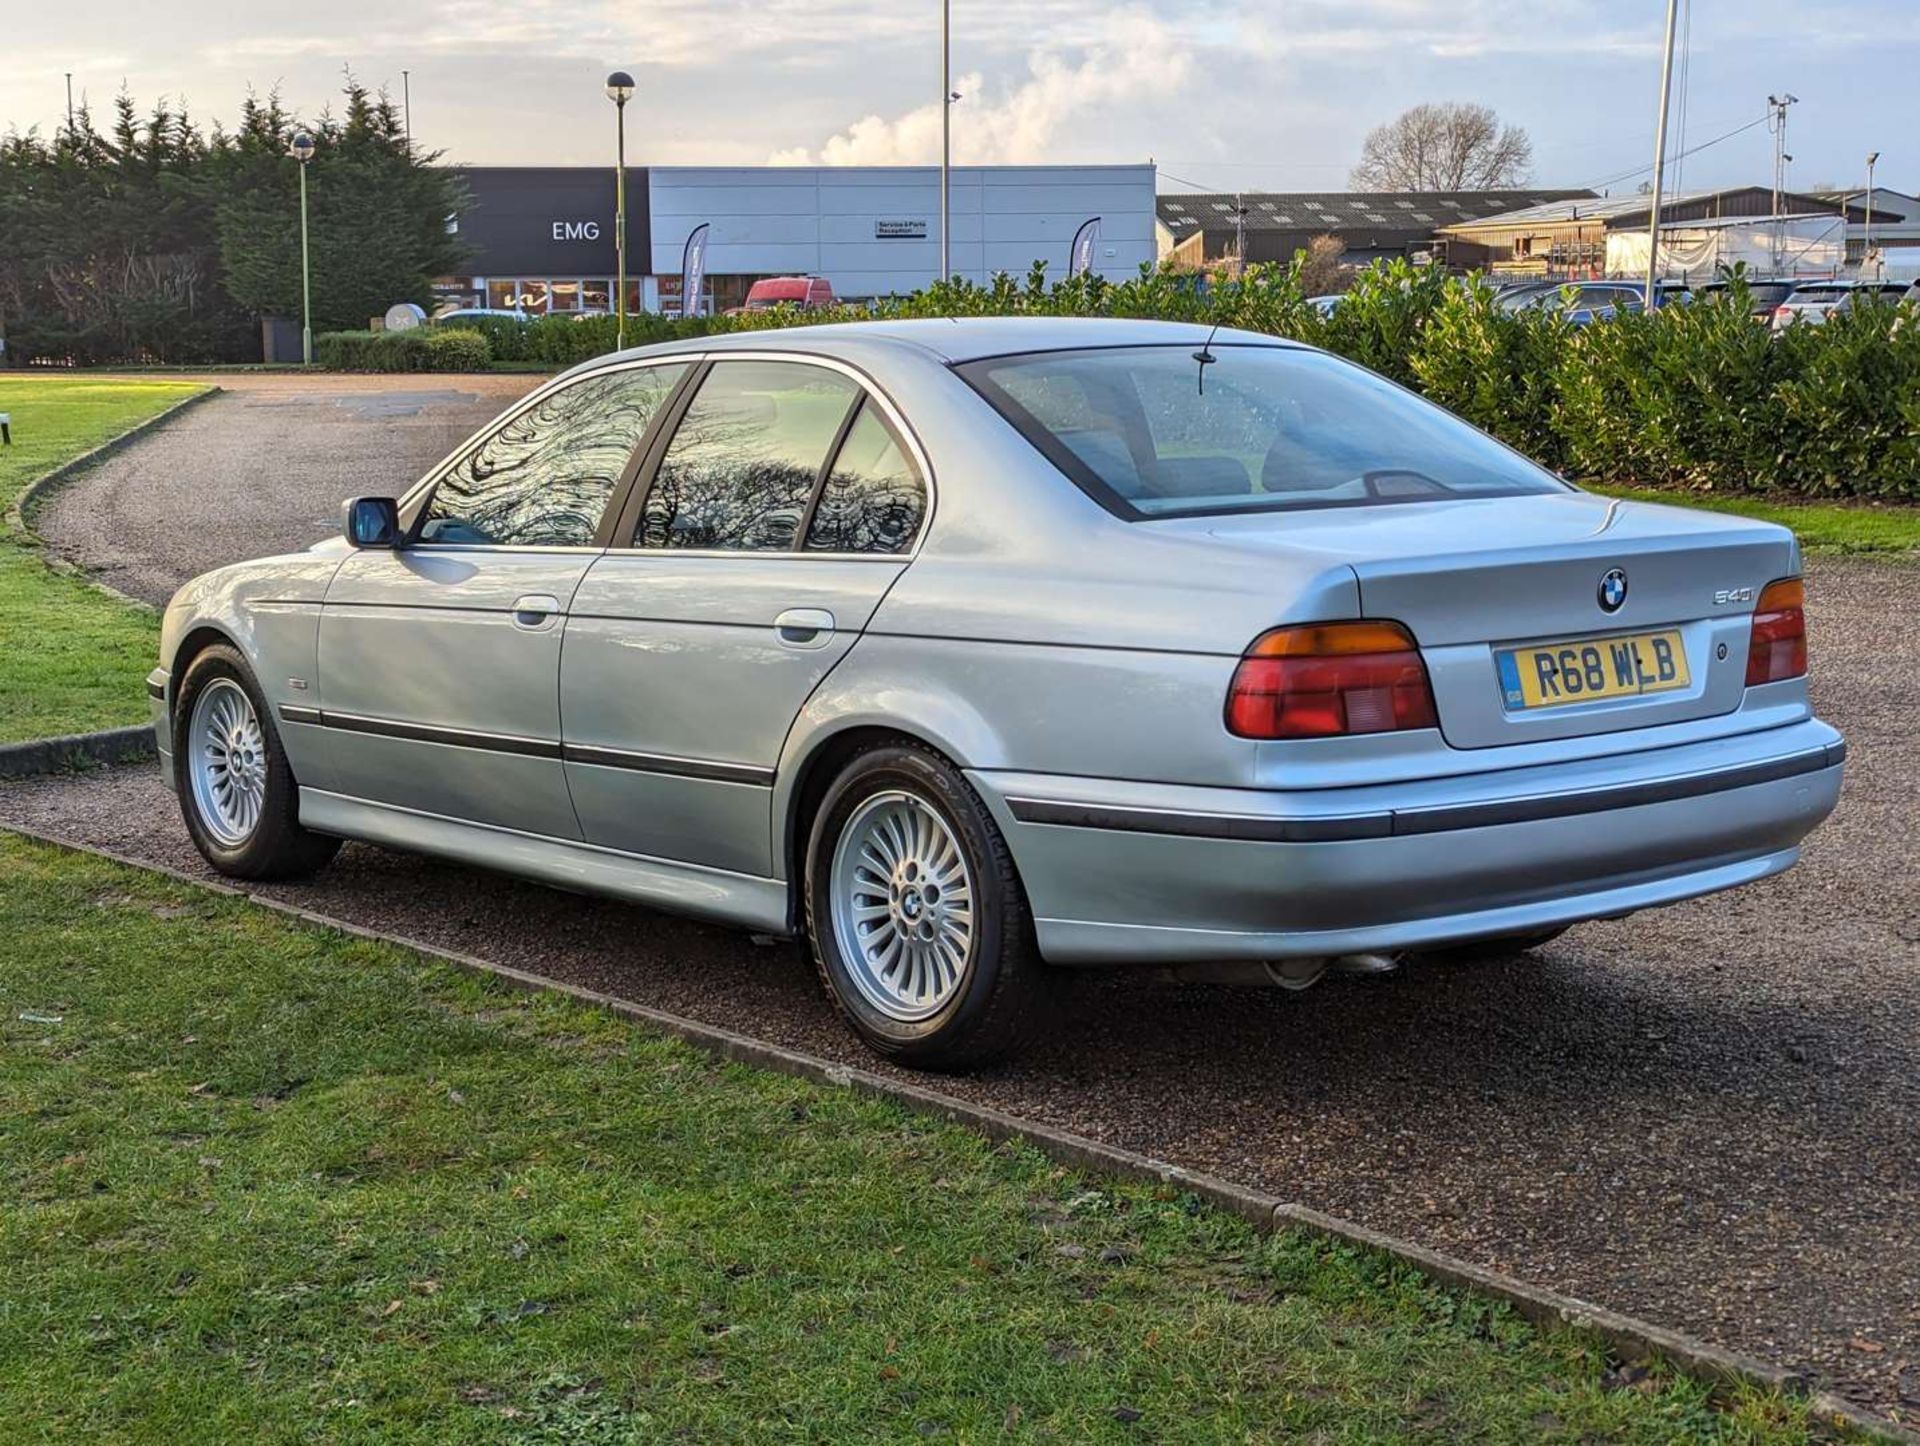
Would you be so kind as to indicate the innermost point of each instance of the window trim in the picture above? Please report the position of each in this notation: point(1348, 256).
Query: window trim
point(413, 503)
point(820, 478)
point(626, 530)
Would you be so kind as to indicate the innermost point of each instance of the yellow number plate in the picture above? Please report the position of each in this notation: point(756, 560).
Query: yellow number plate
point(1553, 674)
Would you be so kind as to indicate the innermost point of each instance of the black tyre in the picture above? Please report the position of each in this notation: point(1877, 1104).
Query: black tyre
point(916, 917)
point(1504, 946)
point(237, 793)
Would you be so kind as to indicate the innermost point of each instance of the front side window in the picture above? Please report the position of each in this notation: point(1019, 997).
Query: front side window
point(744, 460)
point(543, 479)
point(1270, 428)
point(873, 499)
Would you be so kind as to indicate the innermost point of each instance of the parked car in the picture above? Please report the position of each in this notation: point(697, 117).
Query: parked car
point(972, 650)
point(1589, 301)
point(809, 293)
point(1326, 305)
point(1763, 293)
point(458, 315)
point(1815, 301)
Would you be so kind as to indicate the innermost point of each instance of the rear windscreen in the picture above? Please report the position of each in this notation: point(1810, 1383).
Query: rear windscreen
point(1266, 428)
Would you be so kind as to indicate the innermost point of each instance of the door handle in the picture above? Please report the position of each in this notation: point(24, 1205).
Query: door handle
point(804, 628)
point(535, 610)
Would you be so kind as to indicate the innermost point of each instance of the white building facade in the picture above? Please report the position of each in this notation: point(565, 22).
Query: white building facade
point(543, 237)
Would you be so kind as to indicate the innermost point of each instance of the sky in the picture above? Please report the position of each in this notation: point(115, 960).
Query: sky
point(1255, 95)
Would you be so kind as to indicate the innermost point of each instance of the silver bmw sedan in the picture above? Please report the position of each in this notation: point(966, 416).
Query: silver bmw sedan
point(968, 650)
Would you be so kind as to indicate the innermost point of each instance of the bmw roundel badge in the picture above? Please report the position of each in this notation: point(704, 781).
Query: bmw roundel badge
point(1613, 590)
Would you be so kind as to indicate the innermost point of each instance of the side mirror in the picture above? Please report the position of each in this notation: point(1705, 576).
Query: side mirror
point(371, 521)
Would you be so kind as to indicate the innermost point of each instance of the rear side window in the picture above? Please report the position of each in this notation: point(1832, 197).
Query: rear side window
point(543, 479)
point(1273, 428)
point(743, 462)
point(873, 498)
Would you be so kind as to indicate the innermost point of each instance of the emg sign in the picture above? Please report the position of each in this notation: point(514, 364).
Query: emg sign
point(576, 230)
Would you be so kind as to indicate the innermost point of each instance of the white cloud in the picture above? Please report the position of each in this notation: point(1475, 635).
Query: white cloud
point(1141, 59)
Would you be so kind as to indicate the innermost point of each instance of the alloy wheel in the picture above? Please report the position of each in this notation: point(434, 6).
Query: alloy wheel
point(227, 762)
point(902, 904)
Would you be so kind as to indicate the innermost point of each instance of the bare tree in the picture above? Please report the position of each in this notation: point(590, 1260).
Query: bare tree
point(1449, 146)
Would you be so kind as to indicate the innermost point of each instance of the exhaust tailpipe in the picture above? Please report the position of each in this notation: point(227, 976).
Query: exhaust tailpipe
point(1293, 974)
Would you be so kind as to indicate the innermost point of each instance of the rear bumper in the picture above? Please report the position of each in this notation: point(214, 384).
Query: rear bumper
point(1121, 872)
point(157, 684)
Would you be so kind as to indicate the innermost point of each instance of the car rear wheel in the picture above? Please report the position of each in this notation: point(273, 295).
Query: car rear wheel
point(917, 920)
point(237, 792)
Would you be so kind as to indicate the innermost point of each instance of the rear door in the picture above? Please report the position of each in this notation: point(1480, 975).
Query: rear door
point(439, 661)
point(780, 509)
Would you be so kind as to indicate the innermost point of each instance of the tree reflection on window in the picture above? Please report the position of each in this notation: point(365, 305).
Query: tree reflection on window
point(544, 478)
point(873, 500)
point(744, 459)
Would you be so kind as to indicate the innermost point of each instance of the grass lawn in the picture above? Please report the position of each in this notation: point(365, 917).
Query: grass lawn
point(71, 657)
point(268, 1182)
point(1820, 526)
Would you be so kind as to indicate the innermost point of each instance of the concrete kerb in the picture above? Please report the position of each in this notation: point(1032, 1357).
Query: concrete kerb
point(131, 744)
point(1630, 1338)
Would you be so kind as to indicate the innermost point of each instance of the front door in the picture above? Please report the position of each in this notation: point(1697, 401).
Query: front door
point(439, 661)
point(781, 511)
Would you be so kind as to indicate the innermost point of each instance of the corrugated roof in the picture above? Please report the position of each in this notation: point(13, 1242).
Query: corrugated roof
point(1413, 211)
point(1606, 208)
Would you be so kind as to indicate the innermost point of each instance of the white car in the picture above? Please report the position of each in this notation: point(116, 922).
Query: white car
point(1817, 300)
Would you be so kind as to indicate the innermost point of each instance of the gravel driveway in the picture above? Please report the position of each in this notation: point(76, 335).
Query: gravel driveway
point(1706, 1115)
point(261, 468)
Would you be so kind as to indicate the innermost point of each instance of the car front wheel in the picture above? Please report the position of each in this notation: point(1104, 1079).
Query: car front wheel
point(237, 792)
point(917, 920)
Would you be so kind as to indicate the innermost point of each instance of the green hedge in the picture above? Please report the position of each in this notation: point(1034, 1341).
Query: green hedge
point(454, 349)
point(1700, 395)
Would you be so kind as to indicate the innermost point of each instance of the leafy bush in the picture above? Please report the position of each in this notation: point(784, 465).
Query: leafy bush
point(1698, 395)
point(1850, 403)
point(455, 349)
point(1496, 368)
point(1379, 321)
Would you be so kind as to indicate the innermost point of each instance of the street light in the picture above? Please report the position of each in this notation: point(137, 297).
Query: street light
point(302, 149)
point(620, 91)
point(1866, 240)
point(947, 98)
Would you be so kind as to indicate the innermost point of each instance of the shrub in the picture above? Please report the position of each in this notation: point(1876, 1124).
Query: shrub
point(1699, 395)
point(1850, 404)
point(506, 336)
point(456, 349)
point(418, 350)
point(1496, 368)
point(1378, 324)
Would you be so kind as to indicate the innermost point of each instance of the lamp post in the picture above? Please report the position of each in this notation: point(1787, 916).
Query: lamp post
point(620, 91)
point(302, 149)
point(1866, 240)
point(1659, 160)
point(946, 139)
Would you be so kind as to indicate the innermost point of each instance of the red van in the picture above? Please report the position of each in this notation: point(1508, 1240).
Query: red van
point(809, 293)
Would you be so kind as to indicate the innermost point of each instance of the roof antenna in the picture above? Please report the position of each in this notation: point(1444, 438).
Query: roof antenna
point(1206, 358)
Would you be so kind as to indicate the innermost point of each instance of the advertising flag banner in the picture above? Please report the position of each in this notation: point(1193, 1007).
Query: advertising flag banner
point(1084, 240)
point(693, 270)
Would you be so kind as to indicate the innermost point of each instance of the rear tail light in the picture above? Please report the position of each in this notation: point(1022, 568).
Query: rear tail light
point(1778, 649)
point(1328, 679)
